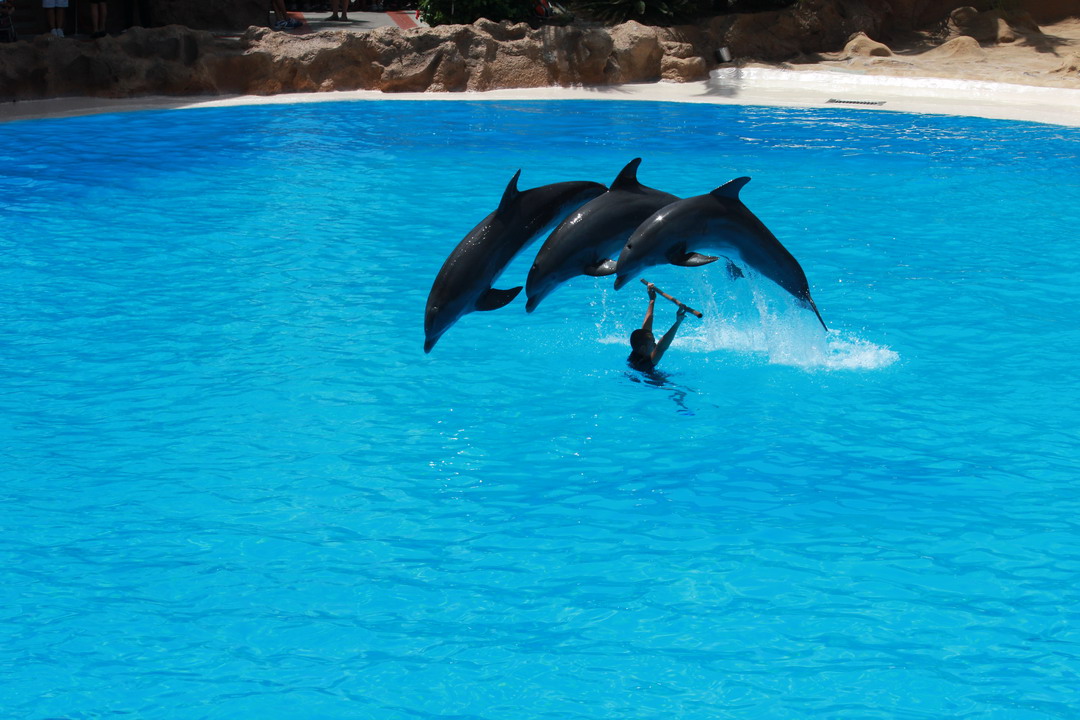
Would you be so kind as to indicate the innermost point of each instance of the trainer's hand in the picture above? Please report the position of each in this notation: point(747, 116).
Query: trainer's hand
point(682, 312)
point(652, 291)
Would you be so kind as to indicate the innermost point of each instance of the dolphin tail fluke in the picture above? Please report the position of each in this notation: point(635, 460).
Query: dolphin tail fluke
point(813, 306)
point(494, 299)
point(601, 269)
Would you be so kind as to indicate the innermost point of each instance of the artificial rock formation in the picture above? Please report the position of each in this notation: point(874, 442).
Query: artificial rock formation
point(179, 60)
point(961, 47)
point(861, 45)
point(1070, 66)
point(485, 55)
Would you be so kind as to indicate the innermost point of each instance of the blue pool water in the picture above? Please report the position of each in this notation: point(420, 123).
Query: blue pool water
point(232, 485)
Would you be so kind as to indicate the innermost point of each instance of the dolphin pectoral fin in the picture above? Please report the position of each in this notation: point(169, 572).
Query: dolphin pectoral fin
point(601, 269)
point(692, 259)
point(734, 271)
point(494, 299)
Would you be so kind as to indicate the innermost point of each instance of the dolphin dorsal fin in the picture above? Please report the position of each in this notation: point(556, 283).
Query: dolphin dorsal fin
point(730, 190)
point(627, 176)
point(510, 192)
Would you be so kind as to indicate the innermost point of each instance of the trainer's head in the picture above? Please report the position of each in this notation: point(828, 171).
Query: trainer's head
point(642, 341)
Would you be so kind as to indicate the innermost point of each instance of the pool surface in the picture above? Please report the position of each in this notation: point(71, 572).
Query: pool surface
point(234, 486)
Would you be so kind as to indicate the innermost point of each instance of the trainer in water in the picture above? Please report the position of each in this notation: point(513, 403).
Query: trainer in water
point(645, 351)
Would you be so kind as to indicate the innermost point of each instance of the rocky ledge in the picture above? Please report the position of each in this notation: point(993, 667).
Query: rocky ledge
point(177, 60)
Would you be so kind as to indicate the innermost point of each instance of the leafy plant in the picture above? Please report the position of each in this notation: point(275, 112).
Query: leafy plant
point(445, 12)
point(656, 12)
point(747, 6)
point(660, 12)
point(663, 12)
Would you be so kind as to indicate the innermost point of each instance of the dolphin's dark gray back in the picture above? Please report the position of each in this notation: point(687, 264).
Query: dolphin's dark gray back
point(720, 222)
point(464, 283)
point(761, 249)
point(585, 241)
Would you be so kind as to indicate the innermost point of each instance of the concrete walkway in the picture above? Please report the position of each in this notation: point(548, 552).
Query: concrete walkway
point(358, 21)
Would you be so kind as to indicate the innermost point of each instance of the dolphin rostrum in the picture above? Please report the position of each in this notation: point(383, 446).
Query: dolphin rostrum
point(586, 240)
point(719, 222)
point(464, 283)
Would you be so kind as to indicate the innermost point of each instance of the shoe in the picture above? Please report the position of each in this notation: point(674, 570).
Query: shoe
point(333, 18)
point(281, 25)
point(293, 23)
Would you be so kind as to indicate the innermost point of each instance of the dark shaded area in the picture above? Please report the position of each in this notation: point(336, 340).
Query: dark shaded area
point(661, 381)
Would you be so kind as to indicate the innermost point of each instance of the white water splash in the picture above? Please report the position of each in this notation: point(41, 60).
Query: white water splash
point(754, 318)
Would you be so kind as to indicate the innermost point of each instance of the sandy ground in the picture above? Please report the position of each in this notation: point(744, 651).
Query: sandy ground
point(1035, 78)
point(1050, 58)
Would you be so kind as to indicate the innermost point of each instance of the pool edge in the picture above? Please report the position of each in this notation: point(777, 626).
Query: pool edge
point(728, 86)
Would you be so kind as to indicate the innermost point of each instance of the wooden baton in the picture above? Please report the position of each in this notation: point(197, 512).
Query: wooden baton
point(689, 309)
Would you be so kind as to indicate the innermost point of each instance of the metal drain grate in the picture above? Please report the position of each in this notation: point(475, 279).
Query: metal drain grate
point(856, 102)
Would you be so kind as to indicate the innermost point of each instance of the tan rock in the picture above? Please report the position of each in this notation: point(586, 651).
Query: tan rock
point(1069, 66)
point(962, 47)
point(636, 52)
point(682, 50)
point(991, 26)
point(488, 55)
point(859, 45)
point(676, 69)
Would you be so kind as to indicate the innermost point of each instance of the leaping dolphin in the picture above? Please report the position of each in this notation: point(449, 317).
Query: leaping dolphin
point(586, 240)
point(717, 221)
point(464, 283)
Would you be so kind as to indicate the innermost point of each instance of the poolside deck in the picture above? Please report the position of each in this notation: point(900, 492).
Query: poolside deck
point(358, 21)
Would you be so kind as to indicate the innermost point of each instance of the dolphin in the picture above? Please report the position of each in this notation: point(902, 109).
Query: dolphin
point(585, 241)
point(717, 221)
point(464, 283)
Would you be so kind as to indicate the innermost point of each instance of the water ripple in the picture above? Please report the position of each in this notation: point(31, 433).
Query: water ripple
point(235, 486)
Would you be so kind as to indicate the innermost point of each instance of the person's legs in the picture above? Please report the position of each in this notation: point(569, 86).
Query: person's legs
point(97, 18)
point(279, 10)
point(58, 17)
point(54, 14)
